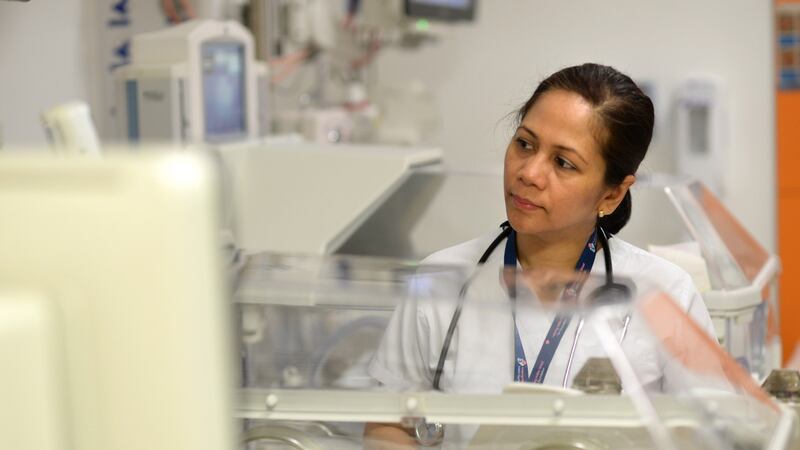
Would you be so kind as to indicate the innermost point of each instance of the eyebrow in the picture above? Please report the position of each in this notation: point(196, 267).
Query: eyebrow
point(560, 147)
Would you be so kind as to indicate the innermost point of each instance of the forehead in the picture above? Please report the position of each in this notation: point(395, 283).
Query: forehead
point(563, 118)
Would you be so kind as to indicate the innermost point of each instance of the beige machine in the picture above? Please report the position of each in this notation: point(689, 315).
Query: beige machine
point(113, 329)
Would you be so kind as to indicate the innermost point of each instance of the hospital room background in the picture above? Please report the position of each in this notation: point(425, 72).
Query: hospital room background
point(388, 126)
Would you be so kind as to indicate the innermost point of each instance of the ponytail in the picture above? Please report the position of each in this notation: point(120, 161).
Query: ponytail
point(614, 222)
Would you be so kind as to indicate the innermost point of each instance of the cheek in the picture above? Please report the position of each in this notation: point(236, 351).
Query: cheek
point(576, 201)
point(508, 171)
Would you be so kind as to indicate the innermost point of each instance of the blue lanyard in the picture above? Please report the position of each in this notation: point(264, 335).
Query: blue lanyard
point(560, 323)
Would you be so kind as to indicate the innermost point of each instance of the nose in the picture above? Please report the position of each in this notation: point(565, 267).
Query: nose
point(534, 170)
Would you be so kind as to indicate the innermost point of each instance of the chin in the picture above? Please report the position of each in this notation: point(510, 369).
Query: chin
point(524, 224)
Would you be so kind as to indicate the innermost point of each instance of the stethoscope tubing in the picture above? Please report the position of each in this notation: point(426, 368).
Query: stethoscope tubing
point(451, 329)
point(465, 287)
point(572, 349)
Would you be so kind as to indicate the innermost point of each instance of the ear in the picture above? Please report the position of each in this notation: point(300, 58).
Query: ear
point(615, 194)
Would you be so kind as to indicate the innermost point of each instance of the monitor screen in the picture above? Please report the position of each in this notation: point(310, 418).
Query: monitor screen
point(224, 92)
point(450, 10)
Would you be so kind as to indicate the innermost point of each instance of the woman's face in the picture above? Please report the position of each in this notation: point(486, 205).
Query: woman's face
point(554, 170)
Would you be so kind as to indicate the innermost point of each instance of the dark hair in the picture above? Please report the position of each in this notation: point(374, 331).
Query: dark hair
point(625, 123)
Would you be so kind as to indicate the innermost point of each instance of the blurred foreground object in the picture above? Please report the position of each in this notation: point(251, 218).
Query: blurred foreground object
point(784, 384)
point(310, 328)
point(113, 318)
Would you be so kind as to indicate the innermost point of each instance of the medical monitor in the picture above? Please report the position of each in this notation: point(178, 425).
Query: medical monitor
point(113, 315)
point(193, 83)
point(445, 10)
point(224, 90)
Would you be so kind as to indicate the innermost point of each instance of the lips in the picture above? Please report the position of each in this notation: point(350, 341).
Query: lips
point(524, 204)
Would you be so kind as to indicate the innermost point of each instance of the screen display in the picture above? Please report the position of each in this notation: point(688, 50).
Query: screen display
point(441, 9)
point(224, 89)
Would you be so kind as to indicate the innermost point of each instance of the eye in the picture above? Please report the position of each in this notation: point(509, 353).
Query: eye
point(523, 144)
point(564, 164)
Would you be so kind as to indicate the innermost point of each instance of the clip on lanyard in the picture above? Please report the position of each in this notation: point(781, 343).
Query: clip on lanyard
point(560, 323)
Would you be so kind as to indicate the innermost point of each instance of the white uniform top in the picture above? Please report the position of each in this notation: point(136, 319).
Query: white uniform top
point(481, 355)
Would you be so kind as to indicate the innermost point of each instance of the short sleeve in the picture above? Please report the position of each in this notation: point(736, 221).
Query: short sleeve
point(692, 302)
point(403, 359)
point(699, 313)
point(409, 352)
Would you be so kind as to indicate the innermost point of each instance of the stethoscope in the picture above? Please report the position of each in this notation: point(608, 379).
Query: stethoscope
point(610, 291)
point(429, 434)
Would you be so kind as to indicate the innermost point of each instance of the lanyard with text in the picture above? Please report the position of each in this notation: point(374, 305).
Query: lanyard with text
point(559, 325)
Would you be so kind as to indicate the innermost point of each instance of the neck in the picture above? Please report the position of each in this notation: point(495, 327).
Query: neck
point(552, 251)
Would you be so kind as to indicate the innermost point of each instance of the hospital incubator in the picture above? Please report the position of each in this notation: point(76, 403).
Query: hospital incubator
point(418, 207)
point(680, 219)
point(320, 358)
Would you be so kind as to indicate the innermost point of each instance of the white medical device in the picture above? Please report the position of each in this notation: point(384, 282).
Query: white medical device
point(70, 129)
point(192, 83)
point(701, 132)
point(113, 318)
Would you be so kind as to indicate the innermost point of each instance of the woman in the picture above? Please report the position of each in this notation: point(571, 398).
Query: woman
point(568, 170)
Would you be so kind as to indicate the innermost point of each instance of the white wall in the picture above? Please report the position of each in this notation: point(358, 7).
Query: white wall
point(482, 71)
point(43, 62)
